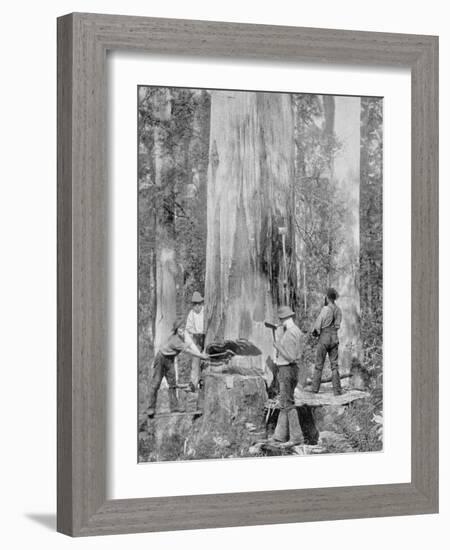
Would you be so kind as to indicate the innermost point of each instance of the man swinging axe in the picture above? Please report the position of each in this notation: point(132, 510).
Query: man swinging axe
point(164, 365)
point(288, 348)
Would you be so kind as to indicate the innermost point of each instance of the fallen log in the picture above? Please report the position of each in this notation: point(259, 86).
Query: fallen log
point(328, 379)
point(321, 399)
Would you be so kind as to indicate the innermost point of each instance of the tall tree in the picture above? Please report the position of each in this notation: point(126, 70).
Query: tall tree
point(371, 230)
point(250, 183)
point(346, 175)
point(166, 266)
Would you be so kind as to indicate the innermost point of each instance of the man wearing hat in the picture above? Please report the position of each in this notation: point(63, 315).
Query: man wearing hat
point(195, 327)
point(288, 348)
point(164, 365)
point(326, 328)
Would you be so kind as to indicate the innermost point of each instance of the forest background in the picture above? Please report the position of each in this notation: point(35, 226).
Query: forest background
point(331, 216)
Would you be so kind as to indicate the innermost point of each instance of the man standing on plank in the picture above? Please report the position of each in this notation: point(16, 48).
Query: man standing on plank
point(195, 327)
point(288, 348)
point(326, 328)
point(164, 365)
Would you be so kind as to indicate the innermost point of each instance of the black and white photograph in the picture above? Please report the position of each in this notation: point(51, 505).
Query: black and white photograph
point(223, 237)
point(260, 288)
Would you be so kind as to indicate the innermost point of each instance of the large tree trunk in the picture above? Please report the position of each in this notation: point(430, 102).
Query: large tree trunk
point(346, 175)
point(250, 178)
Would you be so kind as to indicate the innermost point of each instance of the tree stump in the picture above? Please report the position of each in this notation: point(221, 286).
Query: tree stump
point(233, 418)
point(233, 400)
point(233, 415)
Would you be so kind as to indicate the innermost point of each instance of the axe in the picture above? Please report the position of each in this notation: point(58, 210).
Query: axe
point(271, 326)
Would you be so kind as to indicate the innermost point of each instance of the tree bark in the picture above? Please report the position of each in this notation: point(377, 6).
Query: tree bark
point(250, 178)
point(346, 176)
point(166, 267)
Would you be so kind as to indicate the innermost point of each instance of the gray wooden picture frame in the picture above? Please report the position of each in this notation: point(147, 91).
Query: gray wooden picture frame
point(83, 41)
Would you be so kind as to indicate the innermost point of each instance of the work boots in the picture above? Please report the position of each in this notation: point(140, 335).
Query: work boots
point(282, 430)
point(295, 432)
point(336, 381)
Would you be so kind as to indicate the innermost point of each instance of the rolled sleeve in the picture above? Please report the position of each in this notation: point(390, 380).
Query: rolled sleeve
point(338, 318)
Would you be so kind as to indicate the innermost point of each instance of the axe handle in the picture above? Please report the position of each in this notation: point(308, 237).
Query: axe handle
point(272, 327)
point(228, 352)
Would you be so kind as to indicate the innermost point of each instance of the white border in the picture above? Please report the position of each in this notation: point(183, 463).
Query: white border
point(127, 479)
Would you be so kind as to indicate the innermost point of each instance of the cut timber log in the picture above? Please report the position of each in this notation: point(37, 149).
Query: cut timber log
point(322, 398)
point(328, 379)
point(327, 397)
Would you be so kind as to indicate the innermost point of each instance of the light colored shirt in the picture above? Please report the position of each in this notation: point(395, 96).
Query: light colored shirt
point(289, 347)
point(329, 316)
point(195, 322)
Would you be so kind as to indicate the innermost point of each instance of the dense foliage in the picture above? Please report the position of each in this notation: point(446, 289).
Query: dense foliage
point(320, 209)
point(173, 133)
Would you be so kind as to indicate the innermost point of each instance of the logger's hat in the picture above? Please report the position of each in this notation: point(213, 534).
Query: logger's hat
point(332, 294)
point(177, 324)
point(284, 312)
point(197, 298)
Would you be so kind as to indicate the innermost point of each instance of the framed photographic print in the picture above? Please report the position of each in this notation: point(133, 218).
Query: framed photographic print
point(247, 274)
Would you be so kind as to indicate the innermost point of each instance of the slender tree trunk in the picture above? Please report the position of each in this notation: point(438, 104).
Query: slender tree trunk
point(166, 267)
point(371, 228)
point(346, 175)
point(305, 291)
point(251, 170)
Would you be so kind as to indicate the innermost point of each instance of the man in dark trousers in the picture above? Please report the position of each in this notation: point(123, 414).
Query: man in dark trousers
point(326, 328)
point(288, 431)
point(164, 365)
